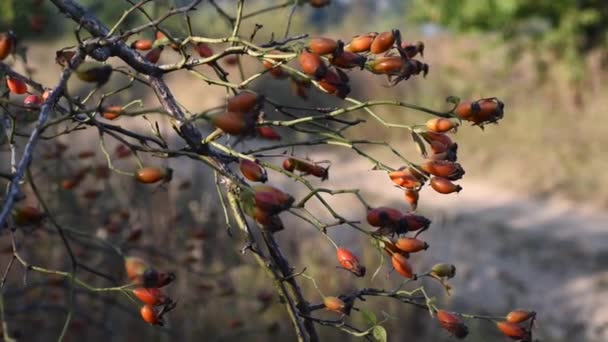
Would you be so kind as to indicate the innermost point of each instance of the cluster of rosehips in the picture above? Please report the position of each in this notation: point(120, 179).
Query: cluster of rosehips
point(243, 111)
point(149, 282)
point(358, 54)
point(513, 328)
point(440, 167)
point(390, 221)
point(510, 327)
point(324, 59)
point(264, 203)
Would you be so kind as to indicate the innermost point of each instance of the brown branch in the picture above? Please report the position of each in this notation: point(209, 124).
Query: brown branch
point(28, 151)
point(294, 300)
point(92, 24)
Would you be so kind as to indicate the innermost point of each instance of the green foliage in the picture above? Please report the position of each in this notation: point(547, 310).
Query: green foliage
point(568, 28)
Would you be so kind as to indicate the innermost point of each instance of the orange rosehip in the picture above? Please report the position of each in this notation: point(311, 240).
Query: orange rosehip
point(350, 262)
point(112, 112)
point(466, 109)
point(411, 245)
point(32, 101)
point(150, 296)
point(334, 304)
point(135, 268)
point(443, 168)
point(383, 216)
point(452, 323)
point(27, 215)
point(440, 125)
point(322, 45)
point(234, 123)
point(253, 171)
point(361, 43)
point(382, 43)
point(150, 174)
point(444, 185)
point(390, 65)
point(334, 84)
point(319, 3)
point(271, 199)
point(289, 164)
point(244, 102)
point(402, 266)
point(150, 315)
point(15, 85)
point(142, 44)
point(312, 64)
point(203, 50)
point(154, 55)
point(405, 179)
point(348, 60)
point(519, 316)
point(512, 330)
point(411, 197)
point(7, 43)
point(268, 133)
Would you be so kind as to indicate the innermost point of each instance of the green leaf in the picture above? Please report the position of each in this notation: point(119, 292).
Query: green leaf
point(369, 316)
point(379, 333)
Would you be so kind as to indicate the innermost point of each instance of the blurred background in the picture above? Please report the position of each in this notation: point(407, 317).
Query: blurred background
point(528, 230)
